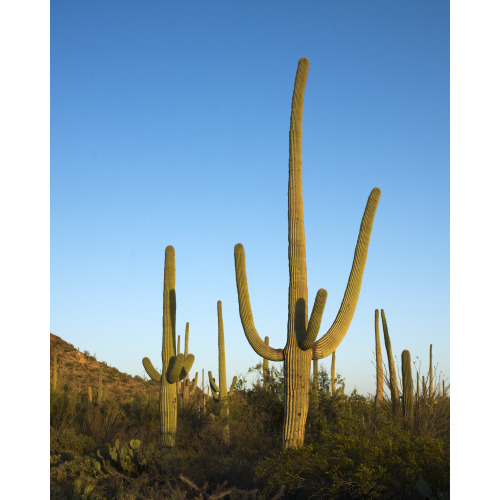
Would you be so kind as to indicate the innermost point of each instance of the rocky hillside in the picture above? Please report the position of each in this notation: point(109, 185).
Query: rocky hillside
point(79, 370)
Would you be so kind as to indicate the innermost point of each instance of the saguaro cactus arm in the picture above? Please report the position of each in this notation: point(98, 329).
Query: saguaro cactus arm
point(151, 370)
point(332, 338)
point(315, 320)
point(233, 385)
point(213, 385)
point(246, 316)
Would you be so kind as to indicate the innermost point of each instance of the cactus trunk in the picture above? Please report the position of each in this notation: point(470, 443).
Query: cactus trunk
point(393, 380)
point(301, 346)
point(90, 394)
point(407, 388)
point(379, 395)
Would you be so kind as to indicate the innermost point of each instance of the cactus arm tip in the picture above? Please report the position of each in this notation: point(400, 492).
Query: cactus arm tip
point(246, 311)
point(175, 365)
point(233, 386)
point(332, 338)
point(186, 366)
point(315, 321)
point(151, 370)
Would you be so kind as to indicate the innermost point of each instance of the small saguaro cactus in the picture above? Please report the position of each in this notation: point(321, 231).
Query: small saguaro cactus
point(90, 394)
point(333, 373)
point(99, 387)
point(175, 366)
point(265, 368)
point(407, 388)
point(379, 395)
point(54, 372)
point(431, 377)
point(220, 394)
point(393, 380)
point(186, 391)
point(301, 346)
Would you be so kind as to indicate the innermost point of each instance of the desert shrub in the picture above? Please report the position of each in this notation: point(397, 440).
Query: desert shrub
point(69, 441)
point(353, 457)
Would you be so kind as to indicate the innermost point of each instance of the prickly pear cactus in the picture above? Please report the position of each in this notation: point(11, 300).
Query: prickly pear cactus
point(126, 458)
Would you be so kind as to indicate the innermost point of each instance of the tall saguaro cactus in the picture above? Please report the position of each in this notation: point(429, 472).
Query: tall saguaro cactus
point(301, 346)
point(175, 366)
point(379, 395)
point(407, 388)
point(393, 380)
point(220, 394)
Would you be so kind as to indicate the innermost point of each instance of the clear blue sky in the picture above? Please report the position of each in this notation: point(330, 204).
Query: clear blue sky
point(169, 125)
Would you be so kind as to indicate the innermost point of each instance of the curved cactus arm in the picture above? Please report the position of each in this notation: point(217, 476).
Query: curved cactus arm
point(151, 370)
point(186, 366)
point(213, 385)
point(315, 321)
point(215, 395)
point(174, 368)
point(332, 338)
point(233, 385)
point(258, 345)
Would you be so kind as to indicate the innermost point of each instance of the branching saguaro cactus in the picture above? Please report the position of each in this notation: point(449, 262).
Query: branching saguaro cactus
point(175, 366)
point(407, 388)
point(301, 346)
point(379, 394)
point(220, 394)
point(393, 379)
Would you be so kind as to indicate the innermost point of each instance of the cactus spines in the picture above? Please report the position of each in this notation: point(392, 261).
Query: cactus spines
point(333, 373)
point(431, 378)
point(265, 367)
point(175, 366)
point(220, 394)
point(407, 388)
point(393, 380)
point(99, 387)
point(379, 395)
point(54, 372)
point(302, 346)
